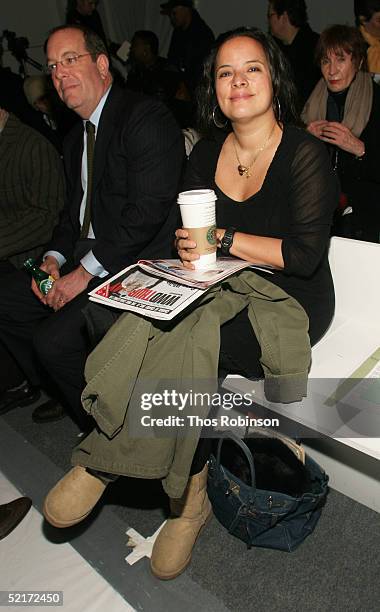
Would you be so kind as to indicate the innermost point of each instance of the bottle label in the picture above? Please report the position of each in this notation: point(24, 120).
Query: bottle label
point(46, 284)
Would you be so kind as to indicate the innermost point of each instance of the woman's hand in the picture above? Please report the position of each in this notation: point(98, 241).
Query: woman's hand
point(316, 127)
point(219, 236)
point(255, 249)
point(337, 134)
point(184, 247)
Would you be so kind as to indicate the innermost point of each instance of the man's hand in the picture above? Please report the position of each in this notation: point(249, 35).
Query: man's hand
point(49, 265)
point(68, 287)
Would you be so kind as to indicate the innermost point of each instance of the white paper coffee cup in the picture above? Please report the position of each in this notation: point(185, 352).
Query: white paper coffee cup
point(198, 218)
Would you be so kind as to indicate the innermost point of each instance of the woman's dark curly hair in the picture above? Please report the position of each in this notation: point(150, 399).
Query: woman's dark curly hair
point(284, 91)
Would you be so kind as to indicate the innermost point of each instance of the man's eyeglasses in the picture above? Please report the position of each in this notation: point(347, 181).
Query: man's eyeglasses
point(67, 62)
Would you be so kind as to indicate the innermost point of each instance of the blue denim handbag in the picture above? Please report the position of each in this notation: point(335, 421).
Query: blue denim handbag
point(264, 518)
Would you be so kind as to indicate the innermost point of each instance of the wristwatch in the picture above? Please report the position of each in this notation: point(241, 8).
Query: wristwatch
point(227, 240)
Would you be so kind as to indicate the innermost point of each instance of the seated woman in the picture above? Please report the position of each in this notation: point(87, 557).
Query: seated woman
point(344, 112)
point(276, 196)
point(275, 187)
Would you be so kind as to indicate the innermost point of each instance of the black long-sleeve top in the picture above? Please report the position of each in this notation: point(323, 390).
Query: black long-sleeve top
point(296, 204)
point(360, 178)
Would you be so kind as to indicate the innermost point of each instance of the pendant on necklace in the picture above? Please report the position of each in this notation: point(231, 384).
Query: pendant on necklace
point(243, 171)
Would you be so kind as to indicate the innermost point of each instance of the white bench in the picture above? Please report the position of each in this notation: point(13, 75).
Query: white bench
point(351, 460)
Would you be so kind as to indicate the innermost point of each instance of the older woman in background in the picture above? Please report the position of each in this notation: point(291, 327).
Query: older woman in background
point(344, 112)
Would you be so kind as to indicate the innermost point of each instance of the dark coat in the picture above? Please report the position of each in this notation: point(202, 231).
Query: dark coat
point(138, 160)
point(31, 191)
point(360, 178)
point(93, 22)
point(300, 54)
point(188, 48)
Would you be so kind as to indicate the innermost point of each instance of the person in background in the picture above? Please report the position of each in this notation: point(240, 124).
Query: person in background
point(344, 112)
point(156, 76)
point(191, 40)
point(367, 14)
point(31, 191)
point(148, 72)
point(31, 198)
point(83, 12)
point(58, 119)
point(288, 23)
point(13, 99)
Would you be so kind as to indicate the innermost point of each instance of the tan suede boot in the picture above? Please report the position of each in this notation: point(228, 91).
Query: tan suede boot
point(72, 498)
point(173, 547)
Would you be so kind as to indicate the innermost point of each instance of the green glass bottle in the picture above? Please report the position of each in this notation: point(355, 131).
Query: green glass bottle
point(43, 279)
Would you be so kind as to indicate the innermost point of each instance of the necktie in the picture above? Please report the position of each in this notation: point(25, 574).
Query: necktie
point(90, 131)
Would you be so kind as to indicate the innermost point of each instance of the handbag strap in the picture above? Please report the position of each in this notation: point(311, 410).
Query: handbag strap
point(230, 435)
point(294, 444)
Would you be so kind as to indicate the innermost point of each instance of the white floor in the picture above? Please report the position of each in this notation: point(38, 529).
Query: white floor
point(29, 562)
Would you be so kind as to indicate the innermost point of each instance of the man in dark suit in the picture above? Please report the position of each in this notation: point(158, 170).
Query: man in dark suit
point(120, 207)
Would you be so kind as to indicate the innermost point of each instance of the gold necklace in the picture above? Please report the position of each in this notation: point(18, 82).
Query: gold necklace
point(245, 170)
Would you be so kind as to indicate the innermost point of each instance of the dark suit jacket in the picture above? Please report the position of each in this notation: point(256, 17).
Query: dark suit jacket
point(188, 48)
point(138, 160)
point(300, 54)
point(31, 191)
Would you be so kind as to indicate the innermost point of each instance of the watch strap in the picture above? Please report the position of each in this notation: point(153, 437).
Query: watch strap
point(227, 240)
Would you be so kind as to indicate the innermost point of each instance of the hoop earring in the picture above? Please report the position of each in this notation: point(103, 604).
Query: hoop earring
point(277, 108)
point(217, 123)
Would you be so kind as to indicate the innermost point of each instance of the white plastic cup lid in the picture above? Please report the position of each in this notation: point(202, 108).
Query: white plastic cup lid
point(196, 196)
